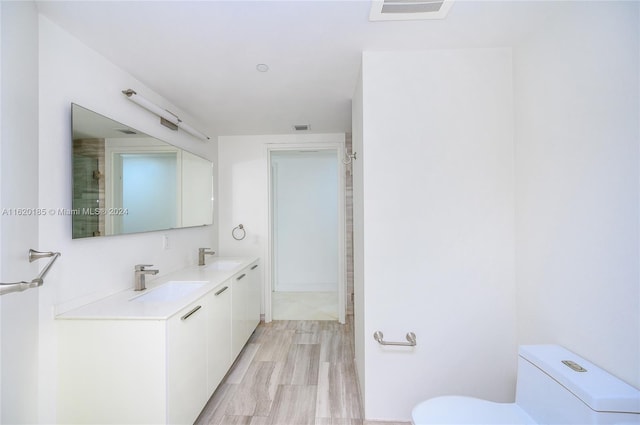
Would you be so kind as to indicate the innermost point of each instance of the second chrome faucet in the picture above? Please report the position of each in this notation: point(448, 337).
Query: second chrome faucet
point(201, 253)
point(140, 273)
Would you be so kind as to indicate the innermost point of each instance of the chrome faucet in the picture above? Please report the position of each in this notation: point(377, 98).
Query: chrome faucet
point(140, 273)
point(201, 253)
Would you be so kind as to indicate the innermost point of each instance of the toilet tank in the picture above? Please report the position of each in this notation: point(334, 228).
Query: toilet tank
point(555, 386)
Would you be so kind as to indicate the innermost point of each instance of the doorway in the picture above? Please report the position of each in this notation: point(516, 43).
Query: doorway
point(307, 234)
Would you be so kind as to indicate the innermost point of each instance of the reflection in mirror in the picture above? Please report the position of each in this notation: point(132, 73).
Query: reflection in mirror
point(125, 181)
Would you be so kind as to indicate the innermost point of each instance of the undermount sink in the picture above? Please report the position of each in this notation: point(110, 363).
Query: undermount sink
point(222, 265)
point(170, 291)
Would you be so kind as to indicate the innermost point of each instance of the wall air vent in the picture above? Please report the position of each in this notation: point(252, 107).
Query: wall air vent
point(404, 10)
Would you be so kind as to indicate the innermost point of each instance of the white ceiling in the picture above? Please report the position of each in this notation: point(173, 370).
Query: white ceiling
point(202, 55)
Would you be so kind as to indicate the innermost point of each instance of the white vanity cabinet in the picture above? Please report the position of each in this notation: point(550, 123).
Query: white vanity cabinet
point(134, 371)
point(112, 371)
point(254, 298)
point(245, 307)
point(239, 312)
point(218, 335)
point(187, 363)
point(124, 360)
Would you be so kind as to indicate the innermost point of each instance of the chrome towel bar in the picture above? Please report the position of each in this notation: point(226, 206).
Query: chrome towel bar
point(6, 288)
point(411, 338)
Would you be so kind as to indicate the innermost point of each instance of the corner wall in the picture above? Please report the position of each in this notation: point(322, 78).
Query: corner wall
point(433, 189)
point(577, 140)
point(18, 189)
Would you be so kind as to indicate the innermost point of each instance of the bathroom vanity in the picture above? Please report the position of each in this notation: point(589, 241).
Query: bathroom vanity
point(157, 356)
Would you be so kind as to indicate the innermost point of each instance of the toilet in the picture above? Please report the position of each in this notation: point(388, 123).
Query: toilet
point(554, 386)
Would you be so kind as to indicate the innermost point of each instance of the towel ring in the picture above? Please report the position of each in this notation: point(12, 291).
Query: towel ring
point(239, 230)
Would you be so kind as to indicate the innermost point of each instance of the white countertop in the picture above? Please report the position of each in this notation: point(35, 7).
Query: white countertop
point(121, 307)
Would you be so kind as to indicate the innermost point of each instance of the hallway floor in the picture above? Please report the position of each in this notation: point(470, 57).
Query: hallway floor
point(290, 373)
point(304, 305)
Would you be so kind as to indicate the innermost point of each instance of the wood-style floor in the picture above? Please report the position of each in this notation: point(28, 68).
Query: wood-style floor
point(291, 372)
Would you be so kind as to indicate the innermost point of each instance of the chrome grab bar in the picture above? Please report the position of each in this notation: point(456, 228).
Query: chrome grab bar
point(411, 337)
point(6, 288)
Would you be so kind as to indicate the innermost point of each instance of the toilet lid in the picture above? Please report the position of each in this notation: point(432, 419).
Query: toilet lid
point(467, 410)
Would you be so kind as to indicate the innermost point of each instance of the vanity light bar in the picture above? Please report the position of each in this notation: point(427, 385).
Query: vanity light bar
point(165, 115)
point(148, 105)
point(186, 127)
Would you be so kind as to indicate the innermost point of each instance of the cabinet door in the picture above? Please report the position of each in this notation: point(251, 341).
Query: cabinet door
point(111, 372)
point(186, 364)
point(238, 312)
point(254, 298)
point(218, 335)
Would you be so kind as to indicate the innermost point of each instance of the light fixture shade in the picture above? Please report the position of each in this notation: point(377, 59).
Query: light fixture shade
point(148, 105)
point(164, 114)
point(186, 127)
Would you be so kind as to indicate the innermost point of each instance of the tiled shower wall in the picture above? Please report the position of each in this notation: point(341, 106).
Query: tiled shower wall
point(88, 186)
point(349, 225)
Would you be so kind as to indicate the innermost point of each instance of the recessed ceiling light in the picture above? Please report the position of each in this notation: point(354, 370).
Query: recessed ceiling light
point(262, 67)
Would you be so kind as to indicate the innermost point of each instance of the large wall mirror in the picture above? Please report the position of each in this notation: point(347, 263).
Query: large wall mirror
point(125, 181)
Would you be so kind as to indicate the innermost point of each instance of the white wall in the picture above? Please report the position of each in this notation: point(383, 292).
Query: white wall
point(436, 206)
point(305, 221)
point(577, 135)
point(18, 189)
point(244, 190)
point(575, 244)
point(93, 267)
point(1, 192)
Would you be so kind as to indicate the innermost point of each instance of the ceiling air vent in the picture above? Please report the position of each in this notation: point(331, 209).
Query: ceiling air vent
point(301, 127)
point(403, 10)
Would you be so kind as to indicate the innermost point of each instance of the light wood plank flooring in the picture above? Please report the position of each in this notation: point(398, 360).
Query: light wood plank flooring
point(291, 372)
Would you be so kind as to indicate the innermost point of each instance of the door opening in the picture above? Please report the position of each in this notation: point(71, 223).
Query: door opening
point(307, 235)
